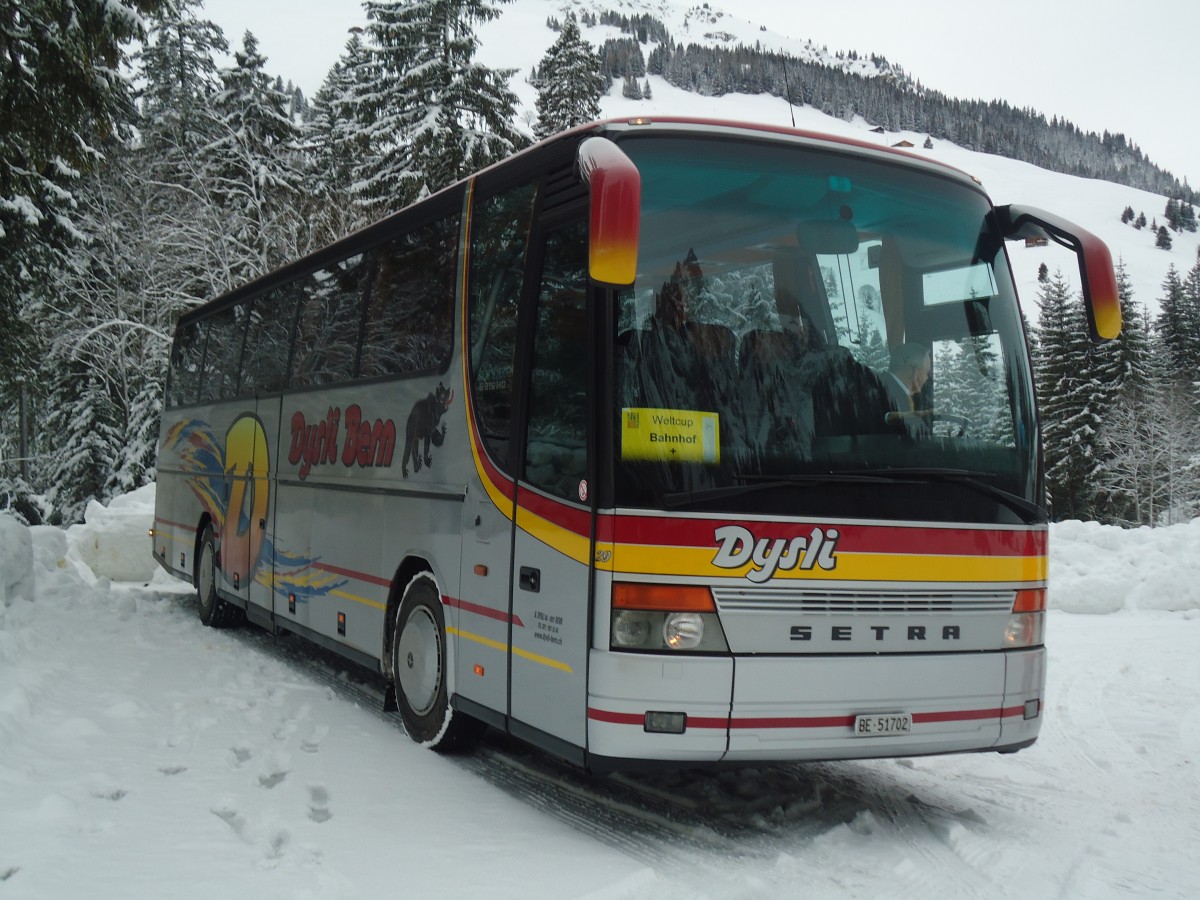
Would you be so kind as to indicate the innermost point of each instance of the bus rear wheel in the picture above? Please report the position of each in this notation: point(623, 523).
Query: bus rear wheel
point(214, 612)
point(419, 668)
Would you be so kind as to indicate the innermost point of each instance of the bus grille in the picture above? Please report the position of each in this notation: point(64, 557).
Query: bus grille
point(857, 602)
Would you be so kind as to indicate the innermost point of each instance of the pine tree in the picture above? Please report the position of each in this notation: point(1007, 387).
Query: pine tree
point(344, 159)
point(1178, 324)
point(569, 83)
point(178, 70)
point(1171, 214)
point(80, 411)
point(1163, 239)
point(1123, 371)
point(61, 92)
point(1070, 415)
point(440, 115)
point(253, 165)
point(1187, 217)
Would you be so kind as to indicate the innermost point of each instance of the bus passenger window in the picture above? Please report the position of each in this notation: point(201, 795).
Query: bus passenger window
point(327, 328)
point(226, 334)
point(408, 327)
point(186, 359)
point(556, 448)
point(500, 230)
point(264, 364)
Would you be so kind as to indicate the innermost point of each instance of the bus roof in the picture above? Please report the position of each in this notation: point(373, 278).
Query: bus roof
point(369, 234)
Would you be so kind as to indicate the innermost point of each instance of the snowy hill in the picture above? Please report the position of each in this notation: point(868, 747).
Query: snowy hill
point(520, 37)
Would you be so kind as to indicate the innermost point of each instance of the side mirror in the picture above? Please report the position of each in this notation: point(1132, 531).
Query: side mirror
point(615, 188)
point(1099, 280)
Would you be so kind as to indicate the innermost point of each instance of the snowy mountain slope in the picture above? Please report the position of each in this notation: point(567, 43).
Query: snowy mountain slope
point(520, 37)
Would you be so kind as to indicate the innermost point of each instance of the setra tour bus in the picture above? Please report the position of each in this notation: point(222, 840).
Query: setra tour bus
point(665, 442)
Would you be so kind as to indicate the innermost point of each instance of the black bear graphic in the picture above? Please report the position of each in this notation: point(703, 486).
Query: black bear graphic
point(423, 426)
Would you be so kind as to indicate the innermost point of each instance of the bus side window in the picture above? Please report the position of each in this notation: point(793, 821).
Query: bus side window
point(499, 234)
point(556, 446)
point(264, 364)
point(186, 359)
point(408, 327)
point(328, 324)
point(226, 335)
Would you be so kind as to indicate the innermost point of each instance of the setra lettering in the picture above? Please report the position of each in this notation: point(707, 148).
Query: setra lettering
point(846, 632)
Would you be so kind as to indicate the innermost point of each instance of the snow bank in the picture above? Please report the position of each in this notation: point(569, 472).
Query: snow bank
point(1101, 569)
point(113, 541)
point(1094, 569)
point(16, 561)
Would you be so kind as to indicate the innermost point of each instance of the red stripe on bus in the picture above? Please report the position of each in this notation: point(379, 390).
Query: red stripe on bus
point(498, 614)
point(688, 532)
point(958, 715)
point(604, 715)
point(572, 518)
point(350, 573)
point(180, 525)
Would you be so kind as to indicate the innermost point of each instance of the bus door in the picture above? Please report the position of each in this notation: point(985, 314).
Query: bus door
point(554, 508)
point(264, 376)
point(260, 556)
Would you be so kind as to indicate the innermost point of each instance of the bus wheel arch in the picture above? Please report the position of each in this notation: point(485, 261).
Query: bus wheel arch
point(418, 664)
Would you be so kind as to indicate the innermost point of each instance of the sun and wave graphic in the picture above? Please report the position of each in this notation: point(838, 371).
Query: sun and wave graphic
point(233, 474)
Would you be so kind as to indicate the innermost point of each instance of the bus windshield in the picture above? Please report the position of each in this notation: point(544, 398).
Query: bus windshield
point(819, 332)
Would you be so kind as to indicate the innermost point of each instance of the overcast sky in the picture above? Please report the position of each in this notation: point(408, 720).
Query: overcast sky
point(1131, 67)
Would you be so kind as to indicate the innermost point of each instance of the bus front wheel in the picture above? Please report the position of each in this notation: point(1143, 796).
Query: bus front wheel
point(214, 612)
point(419, 668)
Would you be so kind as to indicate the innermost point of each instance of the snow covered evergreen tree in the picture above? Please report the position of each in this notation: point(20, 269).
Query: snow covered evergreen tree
point(178, 71)
point(61, 92)
point(569, 83)
point(1070, 414)
point(1178, 325)
point(1125, 446)
point(343, 155)
point(253, 167)
point(440, 115)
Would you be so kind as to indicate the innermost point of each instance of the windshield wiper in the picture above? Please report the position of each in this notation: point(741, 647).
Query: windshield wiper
point(769, 482)
point(1028, 511)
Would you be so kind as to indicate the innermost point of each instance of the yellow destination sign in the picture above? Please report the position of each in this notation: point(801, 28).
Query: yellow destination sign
point(685, 435)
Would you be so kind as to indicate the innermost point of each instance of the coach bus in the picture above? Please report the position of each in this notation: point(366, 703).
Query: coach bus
point(665, 442)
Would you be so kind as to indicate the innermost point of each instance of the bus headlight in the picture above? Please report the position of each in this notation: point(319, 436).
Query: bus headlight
point(683, 631)
point(663, 617)
point(630, 629)
point(1027, 623)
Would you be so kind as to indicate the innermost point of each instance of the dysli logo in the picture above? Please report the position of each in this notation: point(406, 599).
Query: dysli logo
point(766, 556)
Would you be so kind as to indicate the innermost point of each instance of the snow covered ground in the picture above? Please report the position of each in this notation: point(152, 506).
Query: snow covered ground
point(144, 756)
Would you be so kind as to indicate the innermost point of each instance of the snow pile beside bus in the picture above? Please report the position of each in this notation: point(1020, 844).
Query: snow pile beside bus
point(1102, 569)
point(16, 561)
point(113, 542)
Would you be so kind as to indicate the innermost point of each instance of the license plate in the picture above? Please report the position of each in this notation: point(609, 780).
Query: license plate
point(882, 725)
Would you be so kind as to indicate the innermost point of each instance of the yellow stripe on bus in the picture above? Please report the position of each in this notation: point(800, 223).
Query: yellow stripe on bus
point(504, 648)
point(575, 546)
point(698, 561)
point(357, 599)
